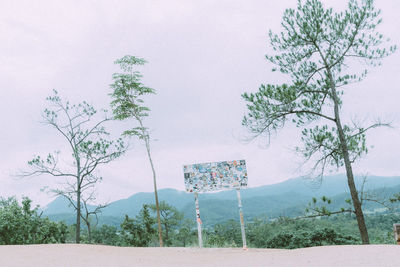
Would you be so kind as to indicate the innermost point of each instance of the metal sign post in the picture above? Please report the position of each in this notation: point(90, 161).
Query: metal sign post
point(241, 218)
point(196, 200)
point(396, 228)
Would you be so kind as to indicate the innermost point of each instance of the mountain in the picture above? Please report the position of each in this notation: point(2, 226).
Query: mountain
point(288, 198)
point(133, 204)
point(328, 186)
point(60, 206)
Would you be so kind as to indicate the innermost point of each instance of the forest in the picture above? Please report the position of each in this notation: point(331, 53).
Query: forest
point(22, 224)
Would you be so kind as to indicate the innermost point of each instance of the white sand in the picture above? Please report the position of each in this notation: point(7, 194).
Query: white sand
point(96, 255)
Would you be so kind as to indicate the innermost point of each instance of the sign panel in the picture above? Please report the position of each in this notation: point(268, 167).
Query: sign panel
point(215, 176)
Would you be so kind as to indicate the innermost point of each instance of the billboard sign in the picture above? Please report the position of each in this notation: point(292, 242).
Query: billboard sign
point(215, 176)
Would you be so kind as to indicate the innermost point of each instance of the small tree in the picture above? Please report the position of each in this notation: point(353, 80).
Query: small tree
point(127, 103)
point(138, 231)
point(89, 146)
point(225, 234)
point(107, 235)
point(171, 218)
point(185, 234)
point(315, 49)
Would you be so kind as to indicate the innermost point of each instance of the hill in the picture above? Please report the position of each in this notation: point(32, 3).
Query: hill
point(288, 198)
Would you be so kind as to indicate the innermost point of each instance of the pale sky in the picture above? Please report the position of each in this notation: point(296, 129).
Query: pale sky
point(202, 55)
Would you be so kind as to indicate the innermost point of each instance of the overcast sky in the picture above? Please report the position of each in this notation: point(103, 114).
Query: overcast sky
point(202, 55)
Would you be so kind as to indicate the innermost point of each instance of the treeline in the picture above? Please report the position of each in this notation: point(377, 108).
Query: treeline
point(22, 224)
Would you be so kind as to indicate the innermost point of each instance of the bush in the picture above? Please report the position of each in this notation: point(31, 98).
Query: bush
point(303, 239)
point(23, 225)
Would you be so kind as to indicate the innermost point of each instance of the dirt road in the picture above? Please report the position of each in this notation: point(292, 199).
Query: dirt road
point(97, 255)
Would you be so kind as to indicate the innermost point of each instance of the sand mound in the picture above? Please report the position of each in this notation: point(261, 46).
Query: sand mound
point(96, 255)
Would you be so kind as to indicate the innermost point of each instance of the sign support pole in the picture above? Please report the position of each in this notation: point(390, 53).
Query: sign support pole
point(196, 200)
point(241, 218)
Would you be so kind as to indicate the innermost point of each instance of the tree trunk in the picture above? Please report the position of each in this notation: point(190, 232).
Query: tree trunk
point(89, 233)
point(349, 171)
point(166, 234)
point(155, 191)
point(78, 217)
point(147, 143)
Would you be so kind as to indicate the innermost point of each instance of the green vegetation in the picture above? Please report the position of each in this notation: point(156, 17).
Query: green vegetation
point(20, 224)
point(23, 225)
point(297, 233)
point(170, 220)
point(138, 231)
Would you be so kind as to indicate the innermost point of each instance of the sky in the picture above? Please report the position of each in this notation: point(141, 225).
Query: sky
point(202, 55)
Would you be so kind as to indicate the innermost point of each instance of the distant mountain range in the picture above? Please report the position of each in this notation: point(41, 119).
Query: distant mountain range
point(288, 198)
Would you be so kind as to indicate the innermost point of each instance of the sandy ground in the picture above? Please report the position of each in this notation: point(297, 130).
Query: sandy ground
point(96, 255)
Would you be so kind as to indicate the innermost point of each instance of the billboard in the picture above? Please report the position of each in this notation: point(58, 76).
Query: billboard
point(215, 176)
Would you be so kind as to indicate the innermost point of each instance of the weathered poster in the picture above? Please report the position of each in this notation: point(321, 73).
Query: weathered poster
point(215, 176)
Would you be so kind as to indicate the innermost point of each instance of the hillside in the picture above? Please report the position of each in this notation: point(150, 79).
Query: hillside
point(288, 198)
